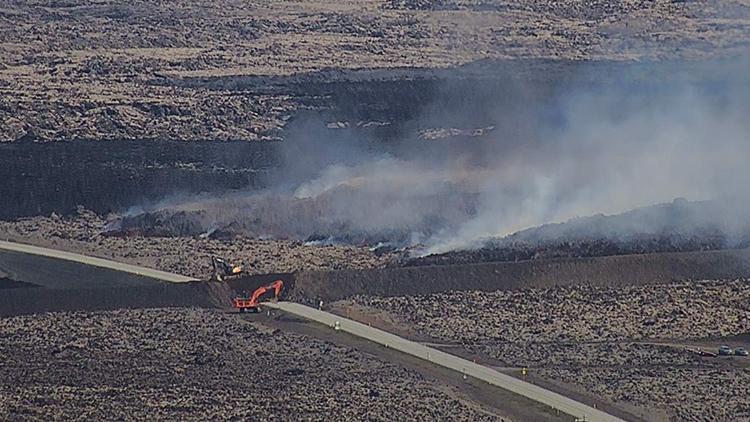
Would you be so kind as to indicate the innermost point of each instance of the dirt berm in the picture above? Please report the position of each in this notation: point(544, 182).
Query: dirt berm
point(309, 287)
point(34, 300)
point(613, 271)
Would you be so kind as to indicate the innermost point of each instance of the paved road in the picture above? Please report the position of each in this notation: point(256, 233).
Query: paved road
point(531, 391)
point(61, 274)
point(98, 262)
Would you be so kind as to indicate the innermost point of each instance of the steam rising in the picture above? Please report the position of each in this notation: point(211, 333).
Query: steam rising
point(582, 151)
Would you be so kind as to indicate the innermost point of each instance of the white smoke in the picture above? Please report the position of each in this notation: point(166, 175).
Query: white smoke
point(609, 149)
point(616, 151)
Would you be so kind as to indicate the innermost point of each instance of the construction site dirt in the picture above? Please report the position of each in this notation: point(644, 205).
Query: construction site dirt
point(656, 358)
point(313, 286)
point(97, 325)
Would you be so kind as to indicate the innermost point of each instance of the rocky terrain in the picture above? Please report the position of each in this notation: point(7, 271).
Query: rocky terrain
point(199, 364)
point(129, 107)
point(184, 242)
point(82, 233)
point(677, 226)
point(630, 345)
point(105, 69)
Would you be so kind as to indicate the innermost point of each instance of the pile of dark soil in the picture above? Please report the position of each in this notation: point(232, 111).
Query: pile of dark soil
point(613, 271)
point(679, 226)
point(311, 286)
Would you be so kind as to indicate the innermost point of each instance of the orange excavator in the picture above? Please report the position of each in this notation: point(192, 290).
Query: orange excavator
point(252, 303)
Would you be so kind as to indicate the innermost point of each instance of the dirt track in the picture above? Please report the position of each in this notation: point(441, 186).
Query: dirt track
point(580, 278)
point(83, 340)
point(311, 286)
point(82, 234)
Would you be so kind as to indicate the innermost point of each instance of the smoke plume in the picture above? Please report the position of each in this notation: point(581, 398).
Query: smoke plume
point(584, 148)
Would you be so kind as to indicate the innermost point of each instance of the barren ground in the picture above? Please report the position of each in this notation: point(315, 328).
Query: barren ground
point(198, 364)
point(627, 345)
point(602, 330)
point(112, 70)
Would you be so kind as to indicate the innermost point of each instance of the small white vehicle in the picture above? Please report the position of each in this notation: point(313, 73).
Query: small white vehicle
point(725, 350)
point(740, 351)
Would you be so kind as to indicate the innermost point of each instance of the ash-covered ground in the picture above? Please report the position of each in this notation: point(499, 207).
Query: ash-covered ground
point(631, 346)
point(201, 364)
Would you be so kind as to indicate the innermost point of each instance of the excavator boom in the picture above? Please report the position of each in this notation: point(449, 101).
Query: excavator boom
point(252, 303)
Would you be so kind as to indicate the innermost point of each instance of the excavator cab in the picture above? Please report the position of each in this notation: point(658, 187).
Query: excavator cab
point(222, 269)
point(252, 303)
